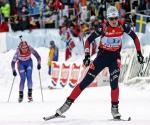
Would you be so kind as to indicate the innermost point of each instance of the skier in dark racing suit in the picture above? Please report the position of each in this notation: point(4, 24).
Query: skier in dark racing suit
point(111, 33)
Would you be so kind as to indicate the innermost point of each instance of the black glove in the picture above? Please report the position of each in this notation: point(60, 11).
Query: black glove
point(14, 73)
point(140, 57)
point(39, 66)
point(86, 60)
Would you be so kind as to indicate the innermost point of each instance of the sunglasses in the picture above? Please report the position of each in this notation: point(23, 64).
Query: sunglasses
point(113, 18)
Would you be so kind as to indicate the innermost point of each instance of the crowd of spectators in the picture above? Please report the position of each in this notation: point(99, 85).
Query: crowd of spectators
point(80, 16)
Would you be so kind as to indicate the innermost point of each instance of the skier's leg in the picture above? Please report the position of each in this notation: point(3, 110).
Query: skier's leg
point(29, 79)
point(114, 70)
point(22, 74)
point(76, 92)
point(95, 67)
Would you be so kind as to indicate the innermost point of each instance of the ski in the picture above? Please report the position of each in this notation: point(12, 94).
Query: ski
point(121, 119)
point(53, 117)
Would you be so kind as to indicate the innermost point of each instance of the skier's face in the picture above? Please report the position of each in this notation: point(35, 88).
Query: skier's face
point(24, 50)
point(113, 21)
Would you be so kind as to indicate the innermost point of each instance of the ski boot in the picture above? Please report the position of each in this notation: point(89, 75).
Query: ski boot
point(20, 99)
point(64, 107)
point(115, 112)
point(30, 99)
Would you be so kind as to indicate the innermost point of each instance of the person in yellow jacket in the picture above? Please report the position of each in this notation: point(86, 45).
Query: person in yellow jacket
point(53, 55)
point(5, 9)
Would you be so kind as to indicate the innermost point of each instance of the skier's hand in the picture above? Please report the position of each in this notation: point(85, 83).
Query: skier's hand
point(14, 73)
point(39, 66)
point(140, 57)
point(86, 60)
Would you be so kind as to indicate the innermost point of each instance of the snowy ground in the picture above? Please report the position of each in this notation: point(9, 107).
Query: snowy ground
point(92, 107)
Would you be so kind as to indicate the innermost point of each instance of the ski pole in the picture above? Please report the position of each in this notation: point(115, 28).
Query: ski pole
point(11, 88)
point(132, 23)
point(41, 86)
point(130, 16)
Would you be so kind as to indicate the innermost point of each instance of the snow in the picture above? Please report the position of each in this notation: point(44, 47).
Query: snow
point(92, 107)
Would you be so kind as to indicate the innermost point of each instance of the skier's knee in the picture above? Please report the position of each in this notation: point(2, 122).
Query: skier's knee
point(86, 81)
point(114, 79)
point(22, 80)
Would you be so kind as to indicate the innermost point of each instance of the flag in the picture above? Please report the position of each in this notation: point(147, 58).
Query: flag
point(141, 23)
point(68, 53)
point(69, 46)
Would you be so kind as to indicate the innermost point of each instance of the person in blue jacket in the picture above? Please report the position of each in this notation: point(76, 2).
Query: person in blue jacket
point(25, 67)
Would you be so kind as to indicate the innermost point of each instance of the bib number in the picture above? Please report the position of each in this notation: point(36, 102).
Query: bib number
point(112, 42)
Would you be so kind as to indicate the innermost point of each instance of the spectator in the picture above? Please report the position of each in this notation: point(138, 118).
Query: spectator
point(65, 20)
point(34, 24)
point(84, 28)
point(83, 2)
point(148, 7)
point(53, 55)
point(48, 8)
point(94, 23)
point(24, 23)
point(67, 38)
point(12, 6)
point(58, 5)
point(34, 7)
point(50, 21)
point(24, 10)
point(24, 19)
point(4, 27)
point(75, 28)
point(15, 23)
point(5, 9)
point(77, 6)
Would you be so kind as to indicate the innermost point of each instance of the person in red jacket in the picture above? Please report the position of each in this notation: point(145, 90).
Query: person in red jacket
point(58, 5)
point(4, 27)
point(111, 33)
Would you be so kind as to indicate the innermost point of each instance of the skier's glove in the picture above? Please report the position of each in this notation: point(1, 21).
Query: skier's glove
point(14, 73)
point(86, 60)
point(39, 66)
point(140, 57)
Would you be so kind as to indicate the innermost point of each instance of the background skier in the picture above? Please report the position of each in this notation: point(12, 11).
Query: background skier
point(25, 67)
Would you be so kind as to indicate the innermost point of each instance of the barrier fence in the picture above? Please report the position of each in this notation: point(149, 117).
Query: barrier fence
point(71, 73)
